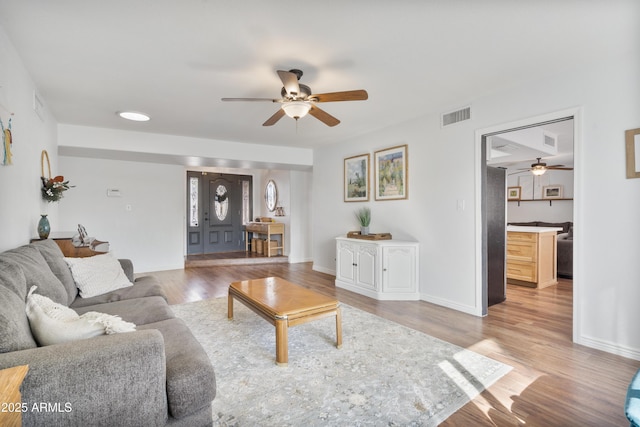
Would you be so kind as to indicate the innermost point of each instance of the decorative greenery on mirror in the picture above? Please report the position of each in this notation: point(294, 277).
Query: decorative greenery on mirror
point(271, 195)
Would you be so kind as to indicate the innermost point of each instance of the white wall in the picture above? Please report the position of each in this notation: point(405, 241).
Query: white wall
point(152, 232)
point(294, 195)
point(20, 200)
point(282, 180)
point(300, 210)
point(444, 170)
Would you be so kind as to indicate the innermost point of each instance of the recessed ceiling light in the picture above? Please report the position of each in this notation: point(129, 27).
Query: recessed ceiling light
point(134, 115)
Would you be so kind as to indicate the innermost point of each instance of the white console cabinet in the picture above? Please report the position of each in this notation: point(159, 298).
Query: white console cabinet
point(380, 269)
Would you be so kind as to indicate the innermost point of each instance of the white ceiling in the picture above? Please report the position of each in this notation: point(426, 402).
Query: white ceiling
point(175, 59)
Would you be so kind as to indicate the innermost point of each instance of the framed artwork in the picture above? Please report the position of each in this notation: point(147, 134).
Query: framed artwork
point(356, 178)
point(514, 193)
point(632, 144)
point(552, 192)
point(391, 168)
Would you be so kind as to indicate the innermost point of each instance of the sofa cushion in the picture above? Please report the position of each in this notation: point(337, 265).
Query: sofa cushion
point(140, 311)
point(37, 272)
point(53, 323)
point(14, 326)
point(55, 259)
point(146, 286)
point(97, 275)
point(564, 225)
point(191, 382)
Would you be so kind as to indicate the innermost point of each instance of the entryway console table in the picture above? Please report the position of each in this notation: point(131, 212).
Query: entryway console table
point(380, 269)
point(269, 229)
point(68, 247)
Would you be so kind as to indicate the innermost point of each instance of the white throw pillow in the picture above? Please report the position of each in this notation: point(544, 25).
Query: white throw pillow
point(97, 275)
point(53, 323)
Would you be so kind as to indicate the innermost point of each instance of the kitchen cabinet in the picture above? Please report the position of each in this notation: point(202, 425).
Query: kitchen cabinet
point(532, 256)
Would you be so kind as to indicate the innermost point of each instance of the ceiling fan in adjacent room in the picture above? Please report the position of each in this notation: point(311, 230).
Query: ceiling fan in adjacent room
point(539, 168)
point(297, 100)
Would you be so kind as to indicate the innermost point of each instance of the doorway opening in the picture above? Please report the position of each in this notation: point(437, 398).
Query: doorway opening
point(503, 148)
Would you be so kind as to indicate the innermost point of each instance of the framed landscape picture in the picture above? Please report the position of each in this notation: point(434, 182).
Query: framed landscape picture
point(552, 192)
point(356, 178)
point(391, 166)
point(514, 193)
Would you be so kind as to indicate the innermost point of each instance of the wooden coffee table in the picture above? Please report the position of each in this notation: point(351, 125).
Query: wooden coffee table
point(284, 304)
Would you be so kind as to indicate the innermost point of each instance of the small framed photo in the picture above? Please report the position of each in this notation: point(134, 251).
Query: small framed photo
point(391, 168)
point(514, 193)
point(552, 192)
point(356, 178)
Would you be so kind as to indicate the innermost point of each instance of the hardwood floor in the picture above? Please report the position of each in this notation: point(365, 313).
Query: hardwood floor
point(553, 382)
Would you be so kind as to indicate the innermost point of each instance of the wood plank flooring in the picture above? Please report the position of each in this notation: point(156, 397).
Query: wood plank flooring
point(553, 382)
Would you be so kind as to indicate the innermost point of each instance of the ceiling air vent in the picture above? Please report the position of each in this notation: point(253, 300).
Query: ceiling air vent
point(456, 116)
point(550, 140)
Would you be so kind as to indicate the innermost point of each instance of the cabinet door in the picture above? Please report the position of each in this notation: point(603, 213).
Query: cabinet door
point(520, 270)
point(398, 269)
point(346, 262)
point(366, 267)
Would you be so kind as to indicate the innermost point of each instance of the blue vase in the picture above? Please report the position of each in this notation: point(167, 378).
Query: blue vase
point(44, 228)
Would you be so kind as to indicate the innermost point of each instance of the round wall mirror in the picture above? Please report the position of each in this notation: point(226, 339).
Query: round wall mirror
point(271, 195)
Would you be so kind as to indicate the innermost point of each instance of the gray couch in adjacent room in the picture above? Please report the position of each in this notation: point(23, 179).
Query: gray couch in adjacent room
point(565, 244)
point(156, 375)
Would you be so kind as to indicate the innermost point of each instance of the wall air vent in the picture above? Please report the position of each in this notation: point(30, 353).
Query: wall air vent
point(456, 116)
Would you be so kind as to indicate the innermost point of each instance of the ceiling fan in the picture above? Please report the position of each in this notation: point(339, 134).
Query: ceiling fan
point(539, 168)
point(297, 100)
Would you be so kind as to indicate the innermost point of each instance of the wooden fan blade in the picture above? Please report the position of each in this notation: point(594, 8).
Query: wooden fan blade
point(290, 82)
point(323, 116)
point(350, 95)
point(559, 168)
point(274, 119)
point(251, 99)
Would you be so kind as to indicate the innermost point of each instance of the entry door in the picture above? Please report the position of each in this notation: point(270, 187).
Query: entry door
point(218, 206)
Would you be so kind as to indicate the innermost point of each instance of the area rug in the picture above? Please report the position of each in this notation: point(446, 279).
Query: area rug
point(384, 374)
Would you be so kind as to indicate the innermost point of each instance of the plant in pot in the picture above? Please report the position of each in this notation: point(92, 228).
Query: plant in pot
point(364, 218)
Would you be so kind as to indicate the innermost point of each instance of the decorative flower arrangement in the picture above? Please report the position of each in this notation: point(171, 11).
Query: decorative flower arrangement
point(53, 188)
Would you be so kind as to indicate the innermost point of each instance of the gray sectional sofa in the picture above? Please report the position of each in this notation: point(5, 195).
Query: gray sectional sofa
point(157, 375)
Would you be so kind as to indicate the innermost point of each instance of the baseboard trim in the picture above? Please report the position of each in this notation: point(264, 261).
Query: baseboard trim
point(299, 260)
point(450, 304)
point(609, 347)
point(323, 270)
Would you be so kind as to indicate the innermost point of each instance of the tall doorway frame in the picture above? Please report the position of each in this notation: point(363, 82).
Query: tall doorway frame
point(481, 297)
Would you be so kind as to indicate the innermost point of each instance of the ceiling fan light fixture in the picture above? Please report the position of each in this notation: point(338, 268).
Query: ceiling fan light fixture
point(296, 109)
point(538, 170)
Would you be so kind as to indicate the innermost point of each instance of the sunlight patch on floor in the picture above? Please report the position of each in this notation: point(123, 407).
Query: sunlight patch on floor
point(502, 398)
